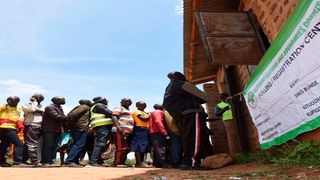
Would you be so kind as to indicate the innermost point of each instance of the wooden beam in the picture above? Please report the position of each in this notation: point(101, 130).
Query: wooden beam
point(195, 6)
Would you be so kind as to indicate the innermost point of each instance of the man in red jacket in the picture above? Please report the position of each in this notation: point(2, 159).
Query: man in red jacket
point(158, 136)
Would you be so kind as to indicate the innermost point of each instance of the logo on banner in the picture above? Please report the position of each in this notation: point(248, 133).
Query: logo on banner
point(252, 100)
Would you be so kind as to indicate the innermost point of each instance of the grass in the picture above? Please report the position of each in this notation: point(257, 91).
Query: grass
point(295, 154)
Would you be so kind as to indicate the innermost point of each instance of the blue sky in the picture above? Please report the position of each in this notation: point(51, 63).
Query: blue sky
point(86, 48)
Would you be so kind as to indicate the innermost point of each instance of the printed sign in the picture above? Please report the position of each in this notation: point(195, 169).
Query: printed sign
point(283, 94)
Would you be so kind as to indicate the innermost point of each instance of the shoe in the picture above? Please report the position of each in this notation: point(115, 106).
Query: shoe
point(20, 165)
point(35, 163)
point(143, 166)
point(93, 165)
point(73, 165)
point(121, 166)
point(49, 165)
point(185, 167)
point(5, 165)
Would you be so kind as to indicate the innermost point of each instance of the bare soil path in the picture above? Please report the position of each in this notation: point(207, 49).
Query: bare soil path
point(242, 171)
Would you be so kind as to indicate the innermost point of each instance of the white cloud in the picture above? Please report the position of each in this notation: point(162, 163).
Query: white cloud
point(18, 88)
point(179, 8)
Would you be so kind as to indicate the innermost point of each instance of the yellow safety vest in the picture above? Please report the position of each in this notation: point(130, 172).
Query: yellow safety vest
point(98, 119)
point(227, 115)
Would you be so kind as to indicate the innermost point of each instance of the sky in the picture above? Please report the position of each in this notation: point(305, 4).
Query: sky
point(87, 48)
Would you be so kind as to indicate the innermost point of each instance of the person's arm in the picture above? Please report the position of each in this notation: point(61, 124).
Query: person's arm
point(144, 119)
point(115, 120)
point(218, 111)
point(30, 107)
point(102, 109)
point(2, 108)
point(53, 112)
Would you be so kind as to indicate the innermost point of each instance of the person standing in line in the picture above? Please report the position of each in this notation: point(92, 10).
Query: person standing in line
point(10, 125)
point(123, 117)
point(223, 109)
point(175, 147)
point(185, 108)
point(33, 113)
point(77, 123)
point(140, 139)
point(102, 123)
point(53, 120)
point(158, 136)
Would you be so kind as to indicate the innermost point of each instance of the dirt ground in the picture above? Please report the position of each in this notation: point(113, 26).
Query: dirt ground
point(242, 171)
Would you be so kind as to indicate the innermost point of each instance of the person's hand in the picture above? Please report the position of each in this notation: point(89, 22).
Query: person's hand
point(119, 129)
point(39, 111)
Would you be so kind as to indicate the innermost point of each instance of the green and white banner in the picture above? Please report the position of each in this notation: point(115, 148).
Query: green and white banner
point(283, 94)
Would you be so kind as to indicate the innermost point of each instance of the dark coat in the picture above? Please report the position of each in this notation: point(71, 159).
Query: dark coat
point(53, 119)
point(176, 100)
point(78, 118)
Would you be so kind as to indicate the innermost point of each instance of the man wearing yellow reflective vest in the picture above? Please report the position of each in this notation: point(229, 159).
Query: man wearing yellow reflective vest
point(223, 109)
point(9, 125)
point(101, 122)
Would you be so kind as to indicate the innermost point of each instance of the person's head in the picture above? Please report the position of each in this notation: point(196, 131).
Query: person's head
point(13, 101)
point(85, 102)
point(158, 107)
point(126, 102)
point(141, 105)
point(100, 100)
point(37, 97)
point(223, 96)
point(177, 75)
point(58, 100)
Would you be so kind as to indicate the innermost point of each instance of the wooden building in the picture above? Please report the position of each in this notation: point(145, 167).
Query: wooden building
point(224, 40)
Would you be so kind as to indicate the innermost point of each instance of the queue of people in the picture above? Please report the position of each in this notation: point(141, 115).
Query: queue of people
point(175, 133)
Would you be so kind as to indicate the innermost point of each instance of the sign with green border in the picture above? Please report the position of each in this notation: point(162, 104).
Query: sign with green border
point(283, 94)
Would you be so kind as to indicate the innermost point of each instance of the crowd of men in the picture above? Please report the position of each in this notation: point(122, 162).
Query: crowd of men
point(175, 133)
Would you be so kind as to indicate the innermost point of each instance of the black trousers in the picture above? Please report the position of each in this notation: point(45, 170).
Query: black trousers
point(195, 139)
point(50, 146)
point(10, 136)
point(158, 149)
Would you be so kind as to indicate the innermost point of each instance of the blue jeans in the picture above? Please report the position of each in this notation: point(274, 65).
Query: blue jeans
point(79, 140)
point(102, 135)
point(176, 149)
point(50, 146)
point(10, 136)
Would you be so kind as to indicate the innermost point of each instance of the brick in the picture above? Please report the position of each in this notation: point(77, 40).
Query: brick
point(276, 19)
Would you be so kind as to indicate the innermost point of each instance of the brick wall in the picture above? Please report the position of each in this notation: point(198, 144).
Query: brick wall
point(219, 138)
point(271, 14)
point(247, 130)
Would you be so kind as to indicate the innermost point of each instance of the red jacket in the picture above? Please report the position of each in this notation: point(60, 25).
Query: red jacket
point(157, 123)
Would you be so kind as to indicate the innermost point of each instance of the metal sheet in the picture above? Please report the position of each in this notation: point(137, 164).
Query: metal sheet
point(229, 38)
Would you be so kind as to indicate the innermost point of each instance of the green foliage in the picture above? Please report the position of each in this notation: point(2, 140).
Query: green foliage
point(304, 154)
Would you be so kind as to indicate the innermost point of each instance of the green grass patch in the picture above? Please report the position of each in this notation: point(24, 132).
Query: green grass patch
point(295, 154)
